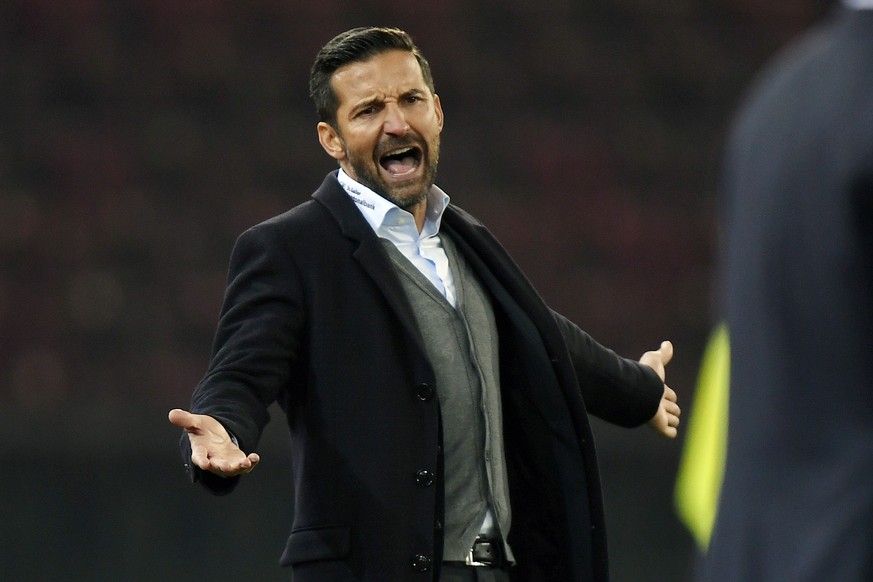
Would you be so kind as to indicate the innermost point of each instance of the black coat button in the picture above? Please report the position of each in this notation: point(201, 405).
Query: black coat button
point(421, 563)
point(425, 392)
point(424, 478)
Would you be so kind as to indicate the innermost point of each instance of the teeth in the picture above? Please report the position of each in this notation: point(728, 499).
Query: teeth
point(398, 152)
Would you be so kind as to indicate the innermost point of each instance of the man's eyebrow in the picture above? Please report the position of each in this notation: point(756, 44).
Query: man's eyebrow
point(364, 104)
point(378, 99)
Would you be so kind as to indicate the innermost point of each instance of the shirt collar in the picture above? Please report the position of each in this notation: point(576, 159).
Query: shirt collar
point(381, 214)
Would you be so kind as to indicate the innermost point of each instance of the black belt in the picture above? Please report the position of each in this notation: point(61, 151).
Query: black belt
point(485, 553)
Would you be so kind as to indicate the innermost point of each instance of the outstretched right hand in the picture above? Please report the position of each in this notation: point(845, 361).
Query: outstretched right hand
point(211, 446)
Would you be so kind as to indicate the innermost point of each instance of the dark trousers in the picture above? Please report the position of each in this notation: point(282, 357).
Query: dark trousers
point(453, 573)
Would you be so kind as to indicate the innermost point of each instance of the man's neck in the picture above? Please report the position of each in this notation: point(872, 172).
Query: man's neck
point(419, 213)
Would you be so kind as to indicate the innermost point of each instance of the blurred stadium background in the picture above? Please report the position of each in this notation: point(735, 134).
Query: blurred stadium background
point(138, 138)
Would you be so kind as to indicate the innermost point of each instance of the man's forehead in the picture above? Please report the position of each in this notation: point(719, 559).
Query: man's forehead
point(390, 71)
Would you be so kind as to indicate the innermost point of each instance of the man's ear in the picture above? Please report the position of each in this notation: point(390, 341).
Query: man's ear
point(331, 141)
point(439, 110)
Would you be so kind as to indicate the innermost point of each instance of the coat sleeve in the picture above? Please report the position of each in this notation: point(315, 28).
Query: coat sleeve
point(616, 389)
point(256, 345)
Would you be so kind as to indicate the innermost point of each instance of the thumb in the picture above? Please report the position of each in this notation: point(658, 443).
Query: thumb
point(182, 418)
point(666, 351)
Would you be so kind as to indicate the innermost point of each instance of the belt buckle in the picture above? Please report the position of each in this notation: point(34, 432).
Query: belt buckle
point(486, 547)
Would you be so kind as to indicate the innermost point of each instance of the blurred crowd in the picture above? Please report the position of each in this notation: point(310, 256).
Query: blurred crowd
point(139, 138)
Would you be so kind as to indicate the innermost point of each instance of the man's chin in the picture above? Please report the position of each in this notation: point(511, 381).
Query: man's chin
point(405, 198)
point(405, 194)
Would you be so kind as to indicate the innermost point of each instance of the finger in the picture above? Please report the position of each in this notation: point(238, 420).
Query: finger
point(215, 462)
point(248, 464)
point(232, 469)
point(670, 394)
point(670, 426)
point(225, 467)
point(200, 457)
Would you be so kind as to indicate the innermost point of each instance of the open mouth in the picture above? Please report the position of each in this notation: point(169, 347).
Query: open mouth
point(401, 162)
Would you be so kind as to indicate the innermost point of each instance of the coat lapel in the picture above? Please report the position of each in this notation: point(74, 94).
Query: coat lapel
point(507, 280)
point(369, 252)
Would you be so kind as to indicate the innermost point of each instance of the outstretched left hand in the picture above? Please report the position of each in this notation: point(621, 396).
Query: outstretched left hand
point(666, 419)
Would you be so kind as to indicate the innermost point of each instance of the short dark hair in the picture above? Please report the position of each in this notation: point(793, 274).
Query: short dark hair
point(355, 46)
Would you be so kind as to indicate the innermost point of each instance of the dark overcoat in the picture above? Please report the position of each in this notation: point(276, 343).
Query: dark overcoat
point(315, 318)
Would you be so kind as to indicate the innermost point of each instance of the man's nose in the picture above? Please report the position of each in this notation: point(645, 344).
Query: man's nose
point(395, 122)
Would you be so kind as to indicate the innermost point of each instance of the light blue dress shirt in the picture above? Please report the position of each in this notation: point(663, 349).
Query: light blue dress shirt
point(423, 249)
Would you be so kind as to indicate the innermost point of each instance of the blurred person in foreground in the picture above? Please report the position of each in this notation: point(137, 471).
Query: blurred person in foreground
point(437, 407)
point(796, 503)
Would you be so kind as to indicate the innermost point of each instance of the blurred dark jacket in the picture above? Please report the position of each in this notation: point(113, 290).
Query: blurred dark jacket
point(797, 499)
